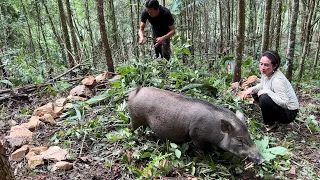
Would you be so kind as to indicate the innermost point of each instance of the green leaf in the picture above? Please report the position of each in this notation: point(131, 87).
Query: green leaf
point(278, 150)
point(262, 144)
point(79, 116)
point(178, 153)
point(173, 145)
point(6, 82)
point(267, 156)
point(186, 51)
point(146, 154)
point(96, 99)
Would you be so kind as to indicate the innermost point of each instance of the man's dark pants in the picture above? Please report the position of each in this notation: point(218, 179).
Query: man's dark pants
point(164, 50)
point(272, 113)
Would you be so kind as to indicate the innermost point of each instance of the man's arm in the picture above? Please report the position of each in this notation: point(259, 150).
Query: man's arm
point(172, 31)
point(142, 40)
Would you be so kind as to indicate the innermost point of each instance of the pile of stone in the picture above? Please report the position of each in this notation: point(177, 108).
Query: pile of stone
point(238, 88)
point(21, 135)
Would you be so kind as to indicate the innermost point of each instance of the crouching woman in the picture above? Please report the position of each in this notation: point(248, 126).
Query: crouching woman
point(274, 94)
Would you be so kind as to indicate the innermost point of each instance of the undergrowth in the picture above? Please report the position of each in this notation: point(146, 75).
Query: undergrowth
point(100, 124)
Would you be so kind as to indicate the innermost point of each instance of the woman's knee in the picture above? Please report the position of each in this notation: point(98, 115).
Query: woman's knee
point(265, 100)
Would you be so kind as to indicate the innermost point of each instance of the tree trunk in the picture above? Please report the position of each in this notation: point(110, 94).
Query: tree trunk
point(231, 27)
point(278, 31)
point(73, 33)
point(240, 41)
point(133, 32)
point(58, 39)
point(46, 55)
point(304, 19)
point(104, 37)
point(312, 26)
point(306, 42)
point(266, 25)
point(163, 2)
point(5, 168)
point(29, 30)
point(221, 29)
point(315, 62)
point(192, 30)
point(206, 31)
point(89, 29)
point(228, 27)
point(65, 34)
point(292, 37)
point(114, 25)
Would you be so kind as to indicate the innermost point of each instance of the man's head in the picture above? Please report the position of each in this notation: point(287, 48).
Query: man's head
point(152, 7)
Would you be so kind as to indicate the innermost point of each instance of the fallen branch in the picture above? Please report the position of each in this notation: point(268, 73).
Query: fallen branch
point(51, 80)
point(25, 91)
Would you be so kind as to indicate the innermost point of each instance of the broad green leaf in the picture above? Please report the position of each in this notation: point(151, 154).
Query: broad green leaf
point(262, 144)
point(267, 156)
point(6, 82)
point(173, 145)
point(96, 99)
point(178, 153)
point(278, 150)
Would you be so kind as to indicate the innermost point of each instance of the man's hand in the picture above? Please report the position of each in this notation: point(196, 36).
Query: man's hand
point(159, 41)
point(142, 41)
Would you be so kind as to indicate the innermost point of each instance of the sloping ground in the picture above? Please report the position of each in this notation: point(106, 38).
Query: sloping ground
point(299, 138)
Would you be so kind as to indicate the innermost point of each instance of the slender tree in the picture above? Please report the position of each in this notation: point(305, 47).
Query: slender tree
point(73, 33)
point(89, 29)
point(221, 27)
point(316, 58)
point(278, 30)
point(266, 25)
point(104, 37)
point(114, 33)
point(133, 32)
point(292, 37)
point(240, 41)
point(33, 50)
point(304, 19)
point(306, 40)
point(193, 27)
point(45, 55)
point(55, 33)
point(65, 33)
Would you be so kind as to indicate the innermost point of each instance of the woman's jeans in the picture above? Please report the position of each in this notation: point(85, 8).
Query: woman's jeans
point(272, 113)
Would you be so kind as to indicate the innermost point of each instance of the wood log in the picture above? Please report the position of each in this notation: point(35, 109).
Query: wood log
point(5, 168)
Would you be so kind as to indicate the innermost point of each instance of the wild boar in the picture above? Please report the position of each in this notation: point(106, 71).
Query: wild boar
point(180, 119)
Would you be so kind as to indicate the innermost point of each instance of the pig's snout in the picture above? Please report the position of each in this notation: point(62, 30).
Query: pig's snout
point(257, 159)
point(255, 156)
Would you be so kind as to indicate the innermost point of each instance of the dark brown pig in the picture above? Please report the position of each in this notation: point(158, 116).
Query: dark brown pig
point(181, 119)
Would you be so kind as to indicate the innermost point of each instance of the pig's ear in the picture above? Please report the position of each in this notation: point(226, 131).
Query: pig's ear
point(240, 115)
point(226, 126)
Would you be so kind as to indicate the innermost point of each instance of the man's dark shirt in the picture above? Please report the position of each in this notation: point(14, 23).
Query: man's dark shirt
point(161, 23)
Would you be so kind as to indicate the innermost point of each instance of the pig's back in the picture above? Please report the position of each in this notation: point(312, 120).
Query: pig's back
point(167, 114)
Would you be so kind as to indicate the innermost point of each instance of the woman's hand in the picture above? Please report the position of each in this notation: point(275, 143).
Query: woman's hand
point(247, 93)
point(260, 93)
